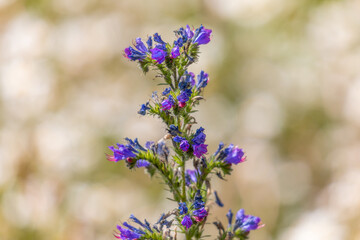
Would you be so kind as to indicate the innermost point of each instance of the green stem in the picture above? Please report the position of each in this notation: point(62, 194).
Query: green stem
point(183, 179)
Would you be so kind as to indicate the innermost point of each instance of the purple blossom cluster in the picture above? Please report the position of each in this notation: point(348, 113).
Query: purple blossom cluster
point(161, 50)
point(174, 106)
point(197, 212)
point(197, 143)
point(244, 223)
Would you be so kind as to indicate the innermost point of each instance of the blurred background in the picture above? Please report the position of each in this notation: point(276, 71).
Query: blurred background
point(284, 85)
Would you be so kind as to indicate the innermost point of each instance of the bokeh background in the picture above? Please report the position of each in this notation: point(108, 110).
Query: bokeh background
point(285, 86)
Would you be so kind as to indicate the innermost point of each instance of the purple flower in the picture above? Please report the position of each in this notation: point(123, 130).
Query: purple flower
point(183, 208)
point(221, 146)
point(133, 54)
point(229, 216)
point(217, 200)
point(190, 176)
point(202, 80)
point(158, 54)
point(168, 103)
point(200, 149)
point(140, 45)
point(166, 91)
point(143, 109)
point(187, 222)
point(246, 222)
point(200, 214)
point(149, 144)
point(184, 96)
point(149, 42)
point(199, 137)
point(184, 145)
point(175, 52)
point(157, 38)
point(188, 32)
point(235, 155)
point(136, 220)
point(127, 233)
point(142, 163)
point(187, 81)
point(122, 152)
point(198, 202)
point(202, 35)
point(174, 130)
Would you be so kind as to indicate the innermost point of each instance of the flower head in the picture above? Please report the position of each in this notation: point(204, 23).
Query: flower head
point(246, 222)
point(202, 35)
point(122, 152)
point(183, 208)
point(187, 222)
point(199, 137)
point(200, 214)
point(143, 109)
point(200, 150)
point(133, 54)
point(124, 233)
point(184, 145)
point(190, 176)
point(235, 155)
point(202, 80)
point(175, 52)
point(168, 103)
point(158, 54)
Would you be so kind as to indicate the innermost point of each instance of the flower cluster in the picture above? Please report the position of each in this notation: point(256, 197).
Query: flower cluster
point(159, 51)
point(182, 145)
point(197, 211)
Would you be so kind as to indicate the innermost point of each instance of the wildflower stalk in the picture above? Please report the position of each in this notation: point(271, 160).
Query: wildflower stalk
point(175, 106)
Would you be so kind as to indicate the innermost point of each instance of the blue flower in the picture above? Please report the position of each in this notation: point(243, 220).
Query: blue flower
point(143, 109)
point(168, 103)
point(140, 45)
point(166, 91)
point(235, 155)
point(136, 220)
point(133, 54)
point(184, 96)
point(221, 146)
point(174, 130)
point(157, 38)
point(158, 54)
point(202, 80)
point(200, 150)
point(217, 200)
point(187, 80)
point(184, 145)
point(246, 222)
point(149, 42)
point(135, 144)
point(229, 216)
point(183, 208)
point(142, 163)
point(198, 202)
point(202, 35)
point(190, 176)
point(188, 32)
point(128, 233)
point(187, 222)
point(175, 52)
point(200, 214)
point(199, 137)
point(122, 152)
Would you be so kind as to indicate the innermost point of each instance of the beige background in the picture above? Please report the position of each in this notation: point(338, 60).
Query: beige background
point(284, 85)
